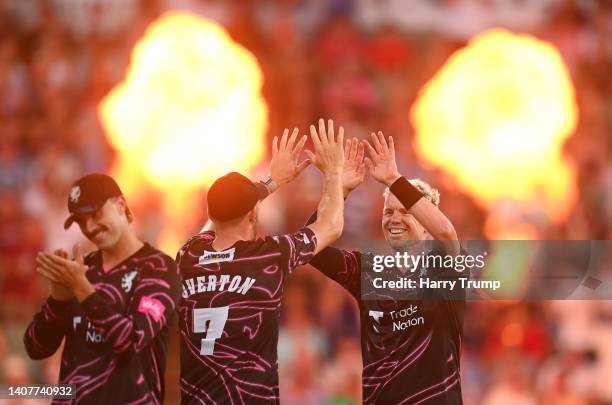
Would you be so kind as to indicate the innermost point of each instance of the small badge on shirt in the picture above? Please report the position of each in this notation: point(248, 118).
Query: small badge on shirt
point(127, 279)
point(216, 257)
point(152, 307)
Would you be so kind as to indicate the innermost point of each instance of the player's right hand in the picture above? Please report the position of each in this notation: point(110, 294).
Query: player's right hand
point(284, 166)
point(329, 150)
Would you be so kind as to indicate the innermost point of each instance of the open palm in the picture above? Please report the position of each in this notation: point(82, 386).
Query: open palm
point(354, 167)
point(381, 163)
point(284, 166)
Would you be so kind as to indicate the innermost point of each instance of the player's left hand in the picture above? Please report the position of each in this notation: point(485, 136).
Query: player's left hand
point(70, 273)
point(284, 166)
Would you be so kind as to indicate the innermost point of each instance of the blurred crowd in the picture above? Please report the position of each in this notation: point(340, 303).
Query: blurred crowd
point(362, 63)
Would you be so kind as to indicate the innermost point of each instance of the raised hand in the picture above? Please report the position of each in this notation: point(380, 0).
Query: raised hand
point(284, 166)
point(329, 158)
point(354, 166)
point(329, 153)
point(381, 163)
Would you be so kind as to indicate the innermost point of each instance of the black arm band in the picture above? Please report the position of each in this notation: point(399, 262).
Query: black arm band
point(405, 192)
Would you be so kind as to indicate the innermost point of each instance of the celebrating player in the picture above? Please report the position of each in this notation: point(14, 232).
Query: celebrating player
point(232, 282)
point(112, 306)
point(410, 348)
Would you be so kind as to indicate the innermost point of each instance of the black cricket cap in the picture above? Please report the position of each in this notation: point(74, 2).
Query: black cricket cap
point(232, 196)
point(89, 193)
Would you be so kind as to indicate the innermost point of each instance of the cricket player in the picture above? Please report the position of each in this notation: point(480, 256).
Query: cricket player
point(411, 347)
point(110, 307)
point(232, 281)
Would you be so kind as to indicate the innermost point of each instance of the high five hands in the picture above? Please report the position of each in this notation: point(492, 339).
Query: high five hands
point(329, 156)
point(380, 164)
point(284, 166)
point(354, 166)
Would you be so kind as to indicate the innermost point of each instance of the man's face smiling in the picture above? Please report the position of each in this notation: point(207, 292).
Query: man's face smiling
point(398, 225)
point(105, 226)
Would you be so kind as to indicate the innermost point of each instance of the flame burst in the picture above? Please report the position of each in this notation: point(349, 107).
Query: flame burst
point(495, 117)
point(189, 110)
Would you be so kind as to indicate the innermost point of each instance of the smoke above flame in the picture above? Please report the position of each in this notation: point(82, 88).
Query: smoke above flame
point(189, 110)
point(495, 117)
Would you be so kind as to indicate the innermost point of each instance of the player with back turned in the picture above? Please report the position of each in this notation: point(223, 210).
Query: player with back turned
point(232, 281)
point(410, 346)
point(111, 307)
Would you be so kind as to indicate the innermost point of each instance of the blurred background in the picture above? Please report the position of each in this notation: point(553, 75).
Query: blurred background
point(66, 108)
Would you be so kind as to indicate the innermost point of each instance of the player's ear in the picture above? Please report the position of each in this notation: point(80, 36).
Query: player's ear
point(124, 208)
point(120, 202)
point(253, 214)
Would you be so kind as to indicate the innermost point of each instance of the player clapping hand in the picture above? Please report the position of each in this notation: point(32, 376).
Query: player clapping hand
point(67, 276)
point(58, 291)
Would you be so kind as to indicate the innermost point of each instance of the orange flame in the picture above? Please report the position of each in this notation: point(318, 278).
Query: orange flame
point(189, 110)
point(495, 118)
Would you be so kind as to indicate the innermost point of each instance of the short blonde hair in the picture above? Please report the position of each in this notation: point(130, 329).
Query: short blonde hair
point(432, 194)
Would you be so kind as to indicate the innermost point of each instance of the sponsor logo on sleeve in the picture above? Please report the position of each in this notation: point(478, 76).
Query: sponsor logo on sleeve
point(151, 306)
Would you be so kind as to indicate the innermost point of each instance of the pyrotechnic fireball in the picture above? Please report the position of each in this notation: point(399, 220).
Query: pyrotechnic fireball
point(189, 110)
point(495, 118)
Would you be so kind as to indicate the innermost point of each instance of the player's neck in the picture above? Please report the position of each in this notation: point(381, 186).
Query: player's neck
point(127, 245)
point(224, 238)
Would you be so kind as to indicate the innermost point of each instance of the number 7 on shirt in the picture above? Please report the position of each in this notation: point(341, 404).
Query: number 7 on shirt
point(210, 321)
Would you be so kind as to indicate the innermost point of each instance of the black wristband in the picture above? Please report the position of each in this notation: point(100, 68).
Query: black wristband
point(405, 192)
